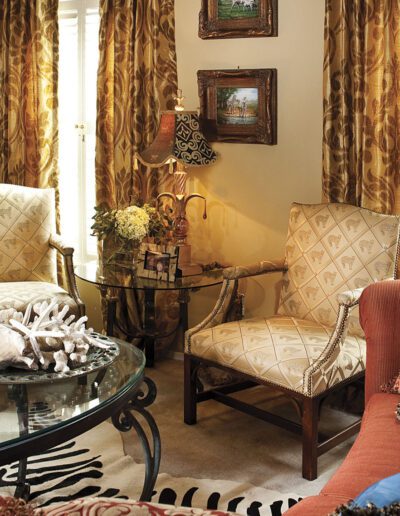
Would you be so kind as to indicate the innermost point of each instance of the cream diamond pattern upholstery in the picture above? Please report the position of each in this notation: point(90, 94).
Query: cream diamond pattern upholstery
point(277, 349)
point(332, 248)
point(27, 220)
point(19, 294)
point(314, 344)
point(28, 243)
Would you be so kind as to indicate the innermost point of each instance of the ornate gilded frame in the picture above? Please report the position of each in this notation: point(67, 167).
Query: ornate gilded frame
point(265, 24)
point(264, 131)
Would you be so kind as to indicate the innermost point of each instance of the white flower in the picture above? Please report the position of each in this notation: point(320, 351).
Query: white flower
point(132, 223)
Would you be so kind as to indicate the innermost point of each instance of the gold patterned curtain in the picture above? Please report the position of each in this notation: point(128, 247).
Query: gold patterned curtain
point(137, 78)
point(28, 92)
point(361, 142)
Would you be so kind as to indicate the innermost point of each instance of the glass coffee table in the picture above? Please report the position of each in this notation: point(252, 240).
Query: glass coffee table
point(118, 276)
point(78, 402)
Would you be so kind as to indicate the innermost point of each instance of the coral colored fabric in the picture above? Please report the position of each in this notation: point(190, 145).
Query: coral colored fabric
point(380, 320)
point(374, 455)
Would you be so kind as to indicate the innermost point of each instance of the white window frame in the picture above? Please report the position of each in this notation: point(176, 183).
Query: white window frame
point(78, 9)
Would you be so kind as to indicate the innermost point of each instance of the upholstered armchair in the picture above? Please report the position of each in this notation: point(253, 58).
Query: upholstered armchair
point(314, 344)
point(28, 246)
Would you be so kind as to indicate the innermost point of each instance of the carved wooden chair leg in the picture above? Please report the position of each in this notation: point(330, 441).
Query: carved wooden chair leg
point(310, 437)
point(190, 380)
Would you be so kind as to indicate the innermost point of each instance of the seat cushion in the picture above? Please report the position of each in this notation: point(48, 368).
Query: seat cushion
point(278, 349)
point(19, 294)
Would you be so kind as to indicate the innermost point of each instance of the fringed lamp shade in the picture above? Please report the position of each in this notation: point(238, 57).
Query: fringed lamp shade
point(180, 139)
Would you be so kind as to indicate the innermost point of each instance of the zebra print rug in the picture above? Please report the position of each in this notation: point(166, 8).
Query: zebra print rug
point(94, 464)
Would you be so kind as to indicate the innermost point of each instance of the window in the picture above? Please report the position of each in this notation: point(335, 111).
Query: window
point(79, 29)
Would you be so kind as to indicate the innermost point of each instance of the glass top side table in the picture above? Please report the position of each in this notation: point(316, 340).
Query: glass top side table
point(118, 276)
point(77, 404)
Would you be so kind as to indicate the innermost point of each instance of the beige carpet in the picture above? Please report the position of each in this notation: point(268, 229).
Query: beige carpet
point(226, 444)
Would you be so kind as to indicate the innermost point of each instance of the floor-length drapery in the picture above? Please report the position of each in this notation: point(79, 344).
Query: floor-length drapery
point(361, 141)
point(28, 99)
point(137, 78)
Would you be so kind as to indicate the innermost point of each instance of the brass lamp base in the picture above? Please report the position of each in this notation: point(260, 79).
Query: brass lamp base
point(185, 266)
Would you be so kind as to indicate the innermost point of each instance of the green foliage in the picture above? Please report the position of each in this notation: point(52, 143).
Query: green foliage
point(104, 222)
point(160, 225)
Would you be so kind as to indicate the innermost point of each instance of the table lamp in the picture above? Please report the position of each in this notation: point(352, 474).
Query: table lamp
point(180, 143)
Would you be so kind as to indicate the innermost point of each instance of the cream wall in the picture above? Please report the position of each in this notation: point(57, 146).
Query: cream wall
point(250, 189)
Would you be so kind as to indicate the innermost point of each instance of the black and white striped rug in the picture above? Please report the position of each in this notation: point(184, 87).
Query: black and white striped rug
point(94, 464)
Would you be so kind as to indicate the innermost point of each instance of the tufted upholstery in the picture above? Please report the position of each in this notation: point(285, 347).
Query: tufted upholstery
point(332, 248)
point(27, 219)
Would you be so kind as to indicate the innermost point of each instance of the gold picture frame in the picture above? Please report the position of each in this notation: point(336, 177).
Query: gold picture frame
point(239, 106)
point(158, 261)
point(238, 19)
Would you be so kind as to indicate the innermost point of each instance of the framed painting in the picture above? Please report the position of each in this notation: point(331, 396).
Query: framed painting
point(158, 262)
point(238, 18)
point(239, 105)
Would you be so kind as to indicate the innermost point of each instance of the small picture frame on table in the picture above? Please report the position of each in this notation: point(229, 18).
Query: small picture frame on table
point(239, 106)
point(158, 261)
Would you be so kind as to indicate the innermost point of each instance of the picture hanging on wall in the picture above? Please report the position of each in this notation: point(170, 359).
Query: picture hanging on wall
point(239, 105)
point(238, 18)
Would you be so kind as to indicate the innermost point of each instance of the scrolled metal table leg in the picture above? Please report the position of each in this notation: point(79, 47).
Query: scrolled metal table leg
point(125, 420)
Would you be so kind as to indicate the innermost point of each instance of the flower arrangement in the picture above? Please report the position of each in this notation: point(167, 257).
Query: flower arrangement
point(130, 225)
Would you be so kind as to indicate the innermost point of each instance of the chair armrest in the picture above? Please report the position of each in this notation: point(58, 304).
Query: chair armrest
point(255, 269)
point(67, 253)
point(350, 298)
point(57, 242)
point(219, 313)
point(318, 376)
point(380, 320)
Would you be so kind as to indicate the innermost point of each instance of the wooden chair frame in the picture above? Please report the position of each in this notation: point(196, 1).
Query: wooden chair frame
point(308, 407)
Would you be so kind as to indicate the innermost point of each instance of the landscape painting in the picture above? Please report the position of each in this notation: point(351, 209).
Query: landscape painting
point(237, 106)
point(238, 18)
point(234, 9)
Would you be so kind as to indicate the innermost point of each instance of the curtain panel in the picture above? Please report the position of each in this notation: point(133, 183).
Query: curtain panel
point(28, 85)
point(361, 126)
point(137, 78)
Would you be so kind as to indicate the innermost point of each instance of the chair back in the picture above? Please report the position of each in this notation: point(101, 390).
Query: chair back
point(27, 218)
point(332, 248)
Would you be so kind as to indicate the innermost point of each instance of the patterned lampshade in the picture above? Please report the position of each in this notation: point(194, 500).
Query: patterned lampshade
point(179, 138)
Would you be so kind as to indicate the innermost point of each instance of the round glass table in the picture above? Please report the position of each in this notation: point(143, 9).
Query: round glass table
point(119, 276)
point(77, 403)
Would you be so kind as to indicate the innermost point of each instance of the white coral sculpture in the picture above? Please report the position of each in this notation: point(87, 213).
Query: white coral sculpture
point(50, 338)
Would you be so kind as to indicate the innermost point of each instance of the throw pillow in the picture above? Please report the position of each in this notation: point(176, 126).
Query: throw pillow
point(393, 386)
point(381, 498)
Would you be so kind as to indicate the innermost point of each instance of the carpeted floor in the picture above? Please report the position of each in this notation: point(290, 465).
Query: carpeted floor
point(226, 444)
